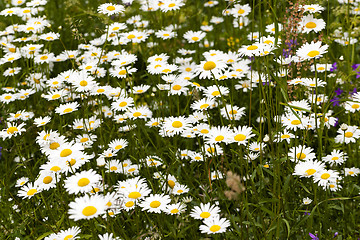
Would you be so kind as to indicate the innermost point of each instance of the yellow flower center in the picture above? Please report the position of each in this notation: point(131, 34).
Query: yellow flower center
point(137, 114)
point(215, 228)
point(44, 57)
point(310, 25)
point(285, 136)
point(177, 124)
point(205, 214)
point(325, 176)
point(131, 36)
point(11, 130)
point(349, 134)
point(55, 168)
point(171, 5)
point(252, 47)
point(68, 237)
point(171, 183)
point(55, 96)
point(129, 204)
point(310, 171)
point(113, 168)
point(295, 122)
point(195, 39)
point(209, 65)
point(335, 158)
point(176, 87)
point(313, 53)
point(68, 110)
point(122, 72)
point(301, 156)
point(66, 152)
point(83, 182)
point(89, 210)
point(84, 139)
point(204, 131)
point(241, 11)
point(54, 145)
point(240, 137)
point(47, 179)
point(110, 8)
point(216, 93)
point(355, 106)
point(134, 195)
point(155, 204)
point(204, 106)
point(31, 192)
point(174, 211)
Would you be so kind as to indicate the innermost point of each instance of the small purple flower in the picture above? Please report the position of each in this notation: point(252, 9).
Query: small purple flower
point(353, 91)
point(338, 91)
point(335, 235)
point(313, 237)
point(306, 213)
point(333, 67)
point(337, 122)
point(335, 101)
point(355, 66)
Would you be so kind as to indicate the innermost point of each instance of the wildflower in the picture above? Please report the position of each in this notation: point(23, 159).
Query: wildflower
point(175, 125)
point(12, 130)
point(67, 108)
point(70, 233)
point(175, 209)
point(169, 5)
point(82, 181)
point(351, 134)
point(205, 211)
point(214, 225)
point(110, 9)
point(352, 171)
point(155, 203)
point(193, 37)
point(309, 23)
point(308, 168)
point(218, 135)
point(336, 157)
point(311, 50)
point(28, 191)
point(87, 207)
point(325, 177)
point(306, 201)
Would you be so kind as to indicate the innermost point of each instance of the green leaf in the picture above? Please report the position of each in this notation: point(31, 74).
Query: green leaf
point(44, 235)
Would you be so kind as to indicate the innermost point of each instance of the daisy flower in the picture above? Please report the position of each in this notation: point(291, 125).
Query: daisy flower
point(175, 209)
point(81, 182)
point(292, 122)
point(67, 108)
point(140, 89)
point(46, 180)
point(203, 104)
point(307, 201)
point(214, 225)
point(169, 5)
point(233, 112)
point(312, 8)
point(193, 37)
point(118, 144)
point(309, 23)
point(284, 136)
point(70, 233)
point(218, 135)
point(110, 9)
point(142, 112)
point(155, 203)
point(108, 236)
point(12, 130)
point(350, 135)
point(352, 171)
point(212, 66)
point(336, 157)
point(324, 177)
point(311, 50)
point(11, 71)
point(241, 135)
point(21, 181)
point(214, 91)
point(240, 10)
point(87, 207)
point(122, 104)
point(301, 153)
point(175, 125)
point(28, 191)
point(205, 211)
point(251, 50)
point(308, 168)
point(41, 121)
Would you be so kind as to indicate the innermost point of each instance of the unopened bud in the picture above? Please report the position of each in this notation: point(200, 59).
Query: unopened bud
point(266, 138)
point(344, 127)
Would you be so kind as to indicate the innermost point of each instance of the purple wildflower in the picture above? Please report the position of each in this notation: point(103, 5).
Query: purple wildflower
point(335, 101)
point(333, 67)
point(353, 91)
point(313, 237)
point(338, 91)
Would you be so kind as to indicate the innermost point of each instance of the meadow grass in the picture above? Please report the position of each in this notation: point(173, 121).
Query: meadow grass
point(179, 119)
